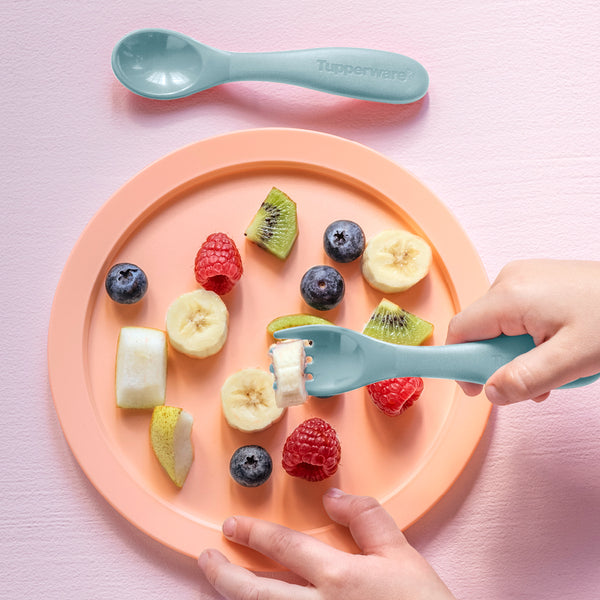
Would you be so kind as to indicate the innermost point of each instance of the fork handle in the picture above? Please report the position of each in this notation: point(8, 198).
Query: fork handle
point(470, 361)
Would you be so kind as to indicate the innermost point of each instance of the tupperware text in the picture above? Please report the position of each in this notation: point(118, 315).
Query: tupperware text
point(342, 69)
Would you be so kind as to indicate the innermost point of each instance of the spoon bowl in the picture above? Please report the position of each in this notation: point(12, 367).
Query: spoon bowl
point(164, 64)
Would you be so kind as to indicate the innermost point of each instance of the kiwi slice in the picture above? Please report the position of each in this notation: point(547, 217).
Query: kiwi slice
point(287, 321)
point(393, 324)
point(275, 226)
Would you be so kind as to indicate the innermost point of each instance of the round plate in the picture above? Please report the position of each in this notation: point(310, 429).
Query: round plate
point(158, 220)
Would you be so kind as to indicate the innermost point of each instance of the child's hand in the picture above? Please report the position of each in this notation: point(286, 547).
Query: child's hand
point(387, 568)
point(558, 304)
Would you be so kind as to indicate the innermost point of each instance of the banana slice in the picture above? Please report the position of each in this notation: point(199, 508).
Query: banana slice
point(395, 260)
point(197, 323)
point(248, 400)
point(288, 358)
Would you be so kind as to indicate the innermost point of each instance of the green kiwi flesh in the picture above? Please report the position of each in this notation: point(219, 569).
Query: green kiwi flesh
point(393, 324)
point(287, 321)
point(275, 226)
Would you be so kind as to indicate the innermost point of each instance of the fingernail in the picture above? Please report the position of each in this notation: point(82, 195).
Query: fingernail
point(494, 396)
point(203, 559)
point(228, 527)
point(334, 493)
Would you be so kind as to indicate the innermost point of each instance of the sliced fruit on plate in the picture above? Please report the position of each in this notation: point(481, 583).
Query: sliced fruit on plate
point(141, 367)
point(395, 260)
point(390, 323)
point(197, 323)
point(289, 359)
point(170, 436)
point(248, 400)
point(287, 321)
point(275, 225)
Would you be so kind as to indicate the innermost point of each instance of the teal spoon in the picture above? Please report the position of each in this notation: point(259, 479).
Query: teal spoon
point(163, 64)
point(342, 360)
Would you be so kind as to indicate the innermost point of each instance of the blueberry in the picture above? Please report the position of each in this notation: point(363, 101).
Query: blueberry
point(251, 466)
point(322, 287)
point(344, 241)
point(126, 283)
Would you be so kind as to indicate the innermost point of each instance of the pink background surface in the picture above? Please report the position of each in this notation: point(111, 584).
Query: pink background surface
point(507, 138)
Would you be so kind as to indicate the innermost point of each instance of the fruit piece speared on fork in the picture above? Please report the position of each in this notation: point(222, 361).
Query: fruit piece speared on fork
point(275, 225)
point(288, 360)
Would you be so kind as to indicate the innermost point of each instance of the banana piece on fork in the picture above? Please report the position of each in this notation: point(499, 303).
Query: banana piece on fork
point(288, 361)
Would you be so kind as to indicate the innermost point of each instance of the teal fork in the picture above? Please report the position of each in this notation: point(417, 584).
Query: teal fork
point(342, 360)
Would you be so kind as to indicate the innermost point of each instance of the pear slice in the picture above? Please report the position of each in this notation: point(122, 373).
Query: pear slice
point(170, 435)
point(141, 367)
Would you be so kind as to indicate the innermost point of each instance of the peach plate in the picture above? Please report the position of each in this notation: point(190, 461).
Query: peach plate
point(158, 220)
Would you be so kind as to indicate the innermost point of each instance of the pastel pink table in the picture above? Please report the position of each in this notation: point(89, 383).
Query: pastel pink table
point(507, 138)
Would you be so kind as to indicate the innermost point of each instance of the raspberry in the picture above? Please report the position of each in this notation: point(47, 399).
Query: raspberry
point(218, 264)
point(394, 396)
point(312, 451)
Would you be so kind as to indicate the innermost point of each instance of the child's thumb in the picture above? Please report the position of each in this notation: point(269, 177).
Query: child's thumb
point(532, 375)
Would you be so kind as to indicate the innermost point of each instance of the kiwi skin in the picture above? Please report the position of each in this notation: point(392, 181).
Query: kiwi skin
point(393, 324)
point(275, 224)
point(287, 321)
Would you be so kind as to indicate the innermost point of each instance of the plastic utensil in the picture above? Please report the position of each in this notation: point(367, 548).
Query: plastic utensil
point(343, 360)
point(163, 64)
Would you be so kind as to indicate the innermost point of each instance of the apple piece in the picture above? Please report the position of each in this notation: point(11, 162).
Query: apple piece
point(170, 435)
point(141, 367)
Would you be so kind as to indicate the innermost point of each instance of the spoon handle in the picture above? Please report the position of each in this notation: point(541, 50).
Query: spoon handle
point(356, 72)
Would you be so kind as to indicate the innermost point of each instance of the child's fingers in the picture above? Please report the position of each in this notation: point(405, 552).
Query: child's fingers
point(533, 374)
point(236, 583)
point(371, 526)
point(297, 551)
point(479, 321)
